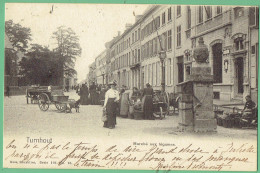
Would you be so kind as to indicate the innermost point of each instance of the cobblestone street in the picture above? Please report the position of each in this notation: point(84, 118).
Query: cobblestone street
point(21, 119)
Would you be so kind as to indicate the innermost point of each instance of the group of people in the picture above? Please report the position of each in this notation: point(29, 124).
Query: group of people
point(117, 103)
point(91, 95)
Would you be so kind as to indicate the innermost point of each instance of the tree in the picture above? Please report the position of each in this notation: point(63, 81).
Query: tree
point(68, 48)
point(41, 66)
point(18, 35)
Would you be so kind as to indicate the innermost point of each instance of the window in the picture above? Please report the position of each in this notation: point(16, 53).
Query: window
point(163, 18)
point(169, 75)
point(200, 14)
point(154, 75)
point(254, 16)
point(219, 10)
point(158, 74)
point(138, 55)
point(239, 11)
point(178, 10)
point(139, 34)
point(209, 12)
point(160, 47)
point(129, 58)
point(165, 41)
point(169, 39)
point(135, 55)
point(155, 45)
point(178, 36)
point(151, 48)
point(169, 14)
point(239, 43)
point(188, 17)
point(133, 37)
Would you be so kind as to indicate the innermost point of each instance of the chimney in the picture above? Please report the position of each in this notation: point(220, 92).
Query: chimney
point(118, 33)
point(137, 17)
point(127, 26)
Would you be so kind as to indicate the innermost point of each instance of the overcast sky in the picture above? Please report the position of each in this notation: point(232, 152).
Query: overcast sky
point(95, 24)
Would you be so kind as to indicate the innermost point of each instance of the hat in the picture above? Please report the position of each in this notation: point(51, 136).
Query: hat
point(112, 83)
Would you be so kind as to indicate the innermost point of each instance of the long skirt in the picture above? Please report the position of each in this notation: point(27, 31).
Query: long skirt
point(111, 113)
point(84, 99)
point(124, 106)
point(148, 107)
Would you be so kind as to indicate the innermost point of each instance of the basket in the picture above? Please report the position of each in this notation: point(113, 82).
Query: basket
point(138, 115)
point(60, 98)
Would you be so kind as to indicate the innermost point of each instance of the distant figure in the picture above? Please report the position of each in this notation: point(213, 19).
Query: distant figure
point(148, 102)
point(92, 91)
point(8, 91)
point(84, 95)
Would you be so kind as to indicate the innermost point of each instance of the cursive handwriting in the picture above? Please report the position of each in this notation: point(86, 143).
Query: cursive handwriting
point(156, 157)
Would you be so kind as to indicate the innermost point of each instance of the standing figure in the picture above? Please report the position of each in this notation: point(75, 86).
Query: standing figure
point(111, 100)
point(84, 94)
point(92, 91)
point(148, 102)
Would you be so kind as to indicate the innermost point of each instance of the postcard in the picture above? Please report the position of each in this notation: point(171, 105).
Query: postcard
point(130, 86)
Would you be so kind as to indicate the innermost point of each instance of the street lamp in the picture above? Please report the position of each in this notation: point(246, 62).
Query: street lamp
point(162, 56)
point(103, 75)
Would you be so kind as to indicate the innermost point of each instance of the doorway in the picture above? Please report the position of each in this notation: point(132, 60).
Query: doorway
point(217, 62)
point(180, 69)
point(240, 76)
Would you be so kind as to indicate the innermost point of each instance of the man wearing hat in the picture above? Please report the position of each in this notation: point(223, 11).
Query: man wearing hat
point(110, 104)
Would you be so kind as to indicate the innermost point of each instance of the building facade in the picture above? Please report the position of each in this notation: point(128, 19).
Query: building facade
point(231, 34)
point(101, 68)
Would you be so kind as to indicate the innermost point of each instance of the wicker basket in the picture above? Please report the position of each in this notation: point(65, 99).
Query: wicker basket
point(138, 115)
point(60, 98)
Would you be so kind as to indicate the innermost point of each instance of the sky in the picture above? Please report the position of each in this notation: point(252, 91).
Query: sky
point(95, 24)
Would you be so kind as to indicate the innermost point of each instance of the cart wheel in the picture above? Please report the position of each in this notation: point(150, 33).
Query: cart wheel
point(43, 102)
point(27, 100)
point(161, 113)
point(60, 107)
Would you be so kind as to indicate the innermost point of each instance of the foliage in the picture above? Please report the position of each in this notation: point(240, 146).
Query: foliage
point(18, 35)
point(68, 48)
point(41, 66)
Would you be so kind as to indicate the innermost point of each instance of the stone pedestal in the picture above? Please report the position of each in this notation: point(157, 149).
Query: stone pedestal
point(196, 101)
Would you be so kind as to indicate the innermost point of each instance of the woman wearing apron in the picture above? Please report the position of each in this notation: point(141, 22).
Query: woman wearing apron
point(110, 104)
point(148, 102)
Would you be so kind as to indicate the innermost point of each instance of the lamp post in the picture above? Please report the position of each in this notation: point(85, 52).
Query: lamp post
point(103, 75)
point(162, 56)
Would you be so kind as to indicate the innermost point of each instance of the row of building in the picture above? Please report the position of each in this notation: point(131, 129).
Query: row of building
point(231, 34)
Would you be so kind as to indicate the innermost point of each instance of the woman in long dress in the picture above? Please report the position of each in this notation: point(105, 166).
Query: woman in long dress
point(111, 100)
point(84, 95)
point(124, 104)
point(148, 102)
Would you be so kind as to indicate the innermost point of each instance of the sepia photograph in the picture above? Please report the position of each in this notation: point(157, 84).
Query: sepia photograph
point(130, 86)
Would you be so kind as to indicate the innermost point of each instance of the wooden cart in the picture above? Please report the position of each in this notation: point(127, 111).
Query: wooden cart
point(160, 104)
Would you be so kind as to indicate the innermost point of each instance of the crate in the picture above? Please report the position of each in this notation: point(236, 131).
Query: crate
point(60, 98)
